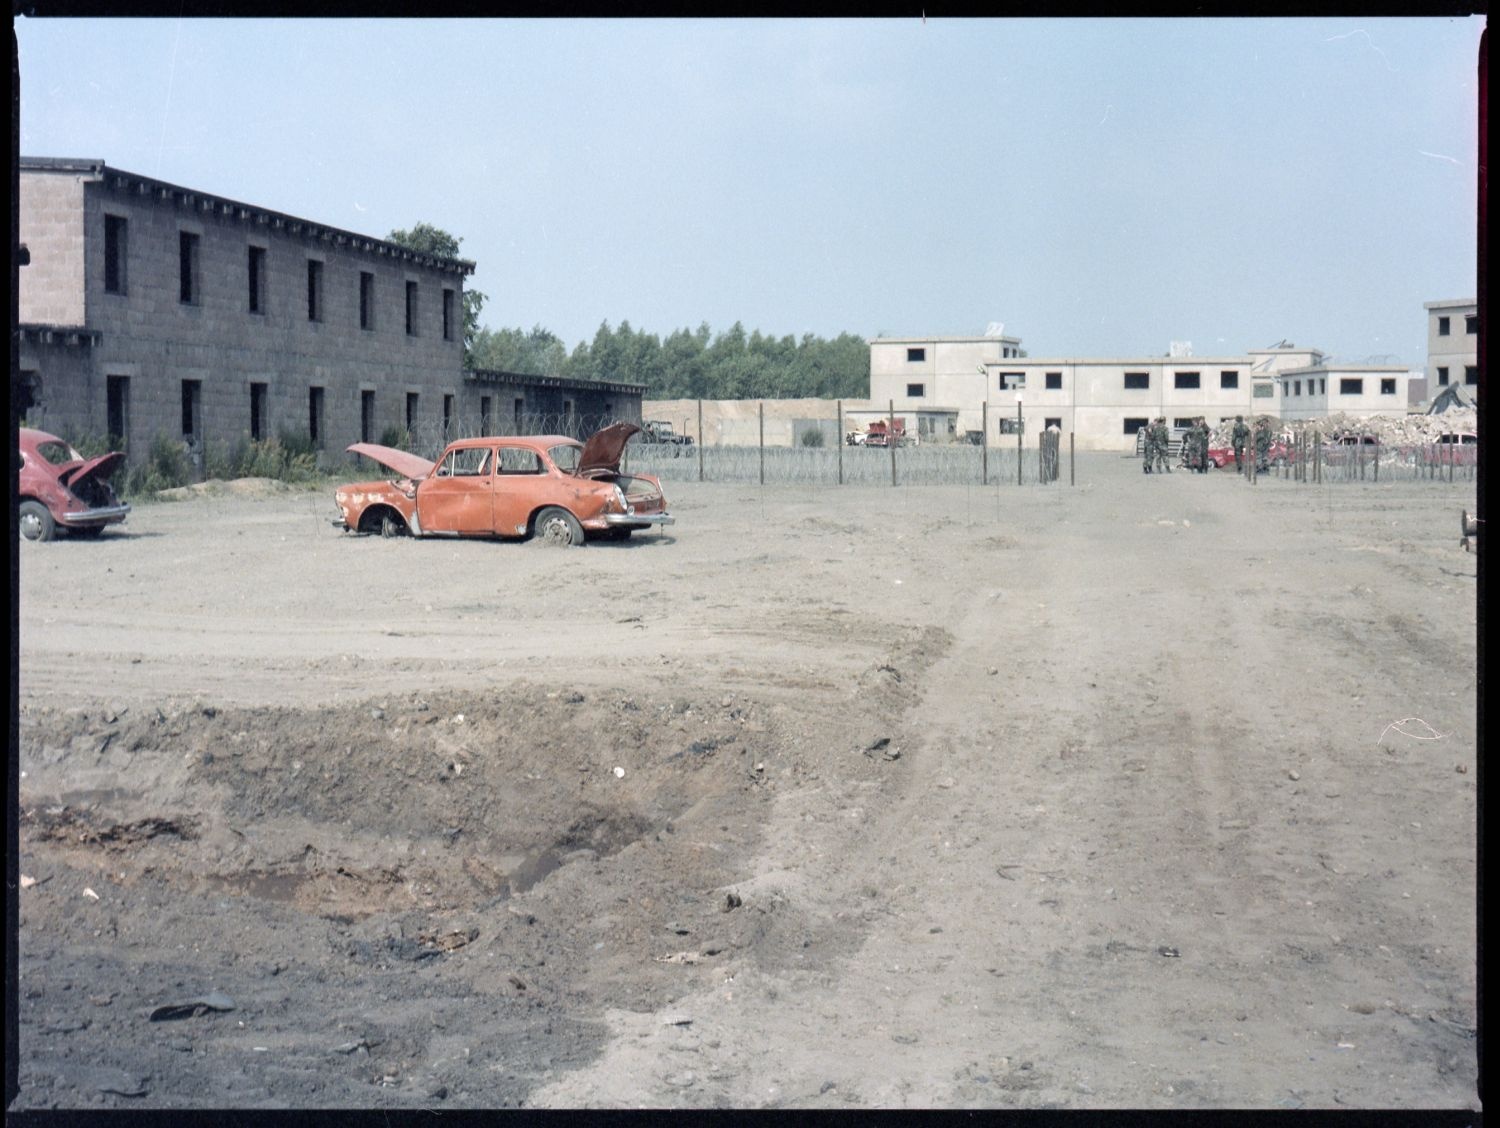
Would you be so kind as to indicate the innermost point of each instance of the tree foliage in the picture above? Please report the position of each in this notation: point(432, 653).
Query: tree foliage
point(427, 239)
point(689, 363)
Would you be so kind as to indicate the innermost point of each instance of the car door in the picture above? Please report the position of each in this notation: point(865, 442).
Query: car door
point(458, 497)
point(520, 480)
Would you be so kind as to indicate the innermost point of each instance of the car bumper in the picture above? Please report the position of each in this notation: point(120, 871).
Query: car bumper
point(639, 520)
point(104, 515)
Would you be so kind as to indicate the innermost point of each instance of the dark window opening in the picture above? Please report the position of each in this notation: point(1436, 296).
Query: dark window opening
point(1471, 374)
point(1186, 380)
point(366, 417)
point(114, 254)
point(1054, 381)
point(1132, 425)
point(315, 416)
point(314, 290)
point(1442, 377)
point(411, 309)
point(117, 409)
point(1137, 381)
point(1011, 381)
point(1351, 386)
point(916, 391)
point(447, 315)
point(257, 259)
point(1443, 327)
point(1297, 387)
point(1387, 386)
point(187, 268)
point(520, 413)
point(913, 355)
point(1229, 379)
point(1053, 421)
point(1009, 425)
point(484, 415)
point(257, 412)
point(411, 411)
point(366, 300)
point(192, 401)
point(1183, 422)
point(1471, 324)
point(447, 415)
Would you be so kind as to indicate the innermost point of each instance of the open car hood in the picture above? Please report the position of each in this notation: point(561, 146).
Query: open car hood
point(80, 472)
point(603, 449)
point(403, 462)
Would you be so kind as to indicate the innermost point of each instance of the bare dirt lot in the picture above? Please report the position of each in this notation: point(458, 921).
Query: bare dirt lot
point(855, 797)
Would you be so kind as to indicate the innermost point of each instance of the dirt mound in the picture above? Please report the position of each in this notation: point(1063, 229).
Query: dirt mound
point(235, 487)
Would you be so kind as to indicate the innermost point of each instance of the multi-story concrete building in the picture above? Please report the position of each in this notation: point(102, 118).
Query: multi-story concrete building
point(1314, 392)
point(1103, 401)
point(1452, 345)
point(148, 308)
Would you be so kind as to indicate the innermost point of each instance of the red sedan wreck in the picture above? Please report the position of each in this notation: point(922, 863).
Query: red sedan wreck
point(547, 486)
point(59, 488)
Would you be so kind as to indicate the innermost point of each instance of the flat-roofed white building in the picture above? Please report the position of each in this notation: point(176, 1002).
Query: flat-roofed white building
point(1313, 392)
point(1452, 344)
point(1103, 401)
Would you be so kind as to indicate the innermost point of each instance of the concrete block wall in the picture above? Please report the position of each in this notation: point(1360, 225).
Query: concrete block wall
point(157, 341)
point(51, 222)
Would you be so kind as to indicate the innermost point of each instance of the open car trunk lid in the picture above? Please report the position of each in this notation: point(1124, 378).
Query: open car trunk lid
point(75, 477)
point(403, 462)
point(603, 450)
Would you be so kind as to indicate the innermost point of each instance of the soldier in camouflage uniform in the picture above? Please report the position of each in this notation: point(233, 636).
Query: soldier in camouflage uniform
point(1262, 444)
point(1239, 437)
point(1148, 448)
point(1204, 435)
point(1163, 444)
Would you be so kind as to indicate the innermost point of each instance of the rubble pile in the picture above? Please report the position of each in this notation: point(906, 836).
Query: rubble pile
point(1391, 430)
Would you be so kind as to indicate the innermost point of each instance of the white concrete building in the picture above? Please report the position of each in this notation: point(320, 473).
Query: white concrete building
point(1313, 392)
point(1103, 401)
point(1452, 345)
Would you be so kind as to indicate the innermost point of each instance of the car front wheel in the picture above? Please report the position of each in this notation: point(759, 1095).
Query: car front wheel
point(557, 526)
point(36, 523)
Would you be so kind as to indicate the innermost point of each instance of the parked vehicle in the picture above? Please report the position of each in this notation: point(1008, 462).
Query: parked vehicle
point(60, 489)
point(660, 431)
point(881, 432)
point(547, 486)
point(1278, 454)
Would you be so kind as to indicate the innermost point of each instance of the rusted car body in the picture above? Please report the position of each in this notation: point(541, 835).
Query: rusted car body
point(60, 489)
point(548, 486)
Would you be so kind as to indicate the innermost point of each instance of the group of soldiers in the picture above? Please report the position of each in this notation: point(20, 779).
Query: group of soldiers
point(1195, 441)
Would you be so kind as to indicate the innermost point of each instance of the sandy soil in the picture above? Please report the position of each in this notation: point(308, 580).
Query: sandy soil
point(855, 797)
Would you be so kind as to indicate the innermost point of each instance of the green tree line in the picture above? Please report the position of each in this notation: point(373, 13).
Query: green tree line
point(688, 363)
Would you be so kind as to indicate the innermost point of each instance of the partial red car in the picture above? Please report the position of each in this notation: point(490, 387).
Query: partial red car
point(1278, 454)
point(517, 486)
point(60, 489)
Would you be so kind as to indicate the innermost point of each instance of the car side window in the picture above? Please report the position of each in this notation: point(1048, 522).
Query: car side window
point(518, 460)
point(469, 462)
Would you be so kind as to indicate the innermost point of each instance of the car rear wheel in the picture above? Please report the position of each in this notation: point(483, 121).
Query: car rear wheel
point(36, 523)
point(557, 526)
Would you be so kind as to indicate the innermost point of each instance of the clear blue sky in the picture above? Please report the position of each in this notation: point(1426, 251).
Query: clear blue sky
point(1101, 187)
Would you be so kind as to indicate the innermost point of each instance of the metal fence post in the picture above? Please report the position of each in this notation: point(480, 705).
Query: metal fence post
point(762, 407)
point(984, 443)
point(841, 442)
point(1072, 481)
point(1020, 454)
point(700, 440)
point(890, 437)
point(1377, 458)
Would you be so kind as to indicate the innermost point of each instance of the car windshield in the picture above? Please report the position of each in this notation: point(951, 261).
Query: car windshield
point(58, 452)
point(565, 456)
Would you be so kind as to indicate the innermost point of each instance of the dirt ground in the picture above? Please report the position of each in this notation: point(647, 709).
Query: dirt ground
point(1156, 792)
